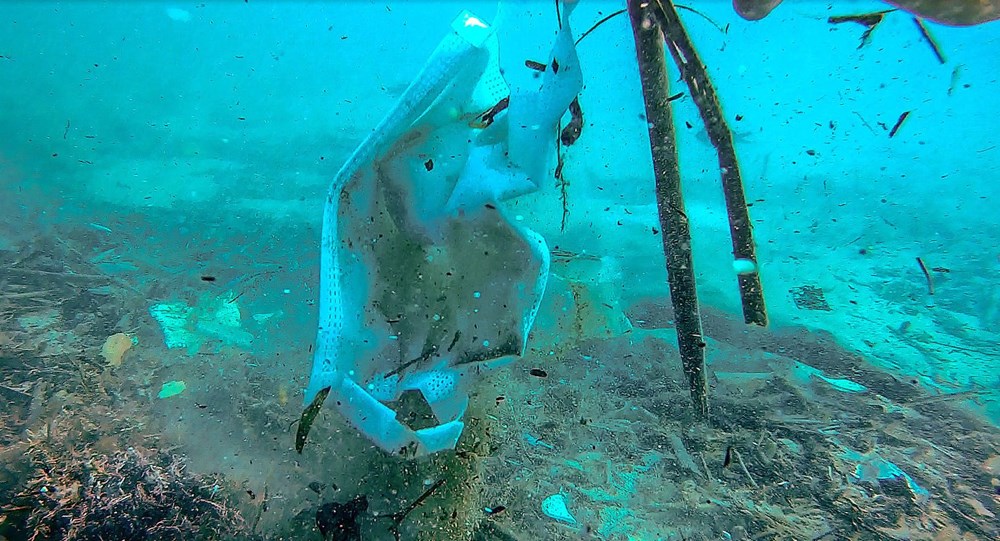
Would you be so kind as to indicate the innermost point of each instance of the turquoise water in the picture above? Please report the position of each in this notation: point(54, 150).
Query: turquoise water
point(164, 171)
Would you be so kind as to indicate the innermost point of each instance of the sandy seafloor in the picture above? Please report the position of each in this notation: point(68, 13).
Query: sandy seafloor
point(872, 417)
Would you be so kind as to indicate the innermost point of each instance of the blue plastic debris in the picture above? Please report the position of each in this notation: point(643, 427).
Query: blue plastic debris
point(874, 469)
point(535, 442)
point(556, 507)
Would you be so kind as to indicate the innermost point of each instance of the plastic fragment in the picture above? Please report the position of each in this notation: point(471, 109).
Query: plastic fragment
point(171, 388)
point(555, 507)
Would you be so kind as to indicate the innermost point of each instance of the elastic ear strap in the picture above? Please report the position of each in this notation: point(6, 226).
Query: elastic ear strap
point(540, 249)
point(379, 423)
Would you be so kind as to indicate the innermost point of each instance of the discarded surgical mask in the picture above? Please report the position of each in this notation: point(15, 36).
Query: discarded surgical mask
point(426, 283)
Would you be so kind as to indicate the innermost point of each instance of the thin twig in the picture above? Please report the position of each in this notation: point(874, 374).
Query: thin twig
point(943, 398)
point(598, 23)
point(563, 196)
point(26, 295)
point(743, 466)
point(399, 517)
point(62, 274)
point(708, 472)
point(926, 34)
point(927, 275)
point(261, 509)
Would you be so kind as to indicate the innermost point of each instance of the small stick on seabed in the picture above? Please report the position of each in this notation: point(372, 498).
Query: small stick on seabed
point(260, 509)
point(708, 472)
point(25, 295)
point(52, 273)
point(743, 466)
point(398, 518)
point(927, 274)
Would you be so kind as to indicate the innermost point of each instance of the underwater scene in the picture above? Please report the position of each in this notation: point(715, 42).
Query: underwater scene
point(541, 270)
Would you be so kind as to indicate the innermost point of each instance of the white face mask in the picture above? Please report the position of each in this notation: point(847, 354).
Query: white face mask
point(426, 283)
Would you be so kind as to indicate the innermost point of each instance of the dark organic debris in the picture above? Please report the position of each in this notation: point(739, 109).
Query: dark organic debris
point(899, 122)
point(866, 19)
point(339, 521)
point(132, 494)
point(398, 518)
point(927, 276)
point(308, 416)
point(949, 12)
point(563, 187)
point(494, 510)
point(869, 20)
point(926, 34)
point(537, 66)
point(573, 129)
point(317, 487)
point(809, 298)
point(484, 120)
